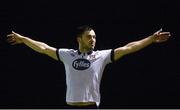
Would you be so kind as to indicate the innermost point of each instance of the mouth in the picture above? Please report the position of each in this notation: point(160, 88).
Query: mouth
point(92, 44)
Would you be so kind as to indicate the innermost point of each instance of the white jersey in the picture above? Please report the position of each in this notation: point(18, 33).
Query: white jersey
point(83, 73)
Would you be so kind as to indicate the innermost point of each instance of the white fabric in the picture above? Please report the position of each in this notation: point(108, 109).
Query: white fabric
point(84, 85)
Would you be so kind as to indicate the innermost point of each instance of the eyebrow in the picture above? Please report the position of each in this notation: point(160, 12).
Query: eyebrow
point(92, 35)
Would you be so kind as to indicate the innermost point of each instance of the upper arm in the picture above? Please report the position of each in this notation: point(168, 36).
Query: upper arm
point(51, 51)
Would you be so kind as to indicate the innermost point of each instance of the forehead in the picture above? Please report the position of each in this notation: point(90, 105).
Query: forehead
point(91, 32)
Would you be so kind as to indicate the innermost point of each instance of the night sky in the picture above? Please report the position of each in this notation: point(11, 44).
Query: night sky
point(149, 78)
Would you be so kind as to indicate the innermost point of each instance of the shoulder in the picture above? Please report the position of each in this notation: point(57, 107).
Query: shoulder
point(64, 53)
point(106, 51)
point(107, 54)
point(66, 50)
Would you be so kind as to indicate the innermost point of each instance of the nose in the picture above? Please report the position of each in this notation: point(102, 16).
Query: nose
point(92, 40)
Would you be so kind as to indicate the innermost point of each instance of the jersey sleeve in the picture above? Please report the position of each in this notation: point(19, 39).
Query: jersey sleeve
point(108, 55)
point(62, 54)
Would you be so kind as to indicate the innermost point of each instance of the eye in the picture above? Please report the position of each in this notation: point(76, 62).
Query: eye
point(91, 36)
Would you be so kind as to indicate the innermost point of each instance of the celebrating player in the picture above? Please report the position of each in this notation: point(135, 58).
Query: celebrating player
point(84, 67)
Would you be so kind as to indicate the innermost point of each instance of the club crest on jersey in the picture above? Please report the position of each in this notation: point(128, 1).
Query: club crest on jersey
point(81, 64)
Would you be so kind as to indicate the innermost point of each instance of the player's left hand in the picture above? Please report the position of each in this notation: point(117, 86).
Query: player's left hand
point(160, 36)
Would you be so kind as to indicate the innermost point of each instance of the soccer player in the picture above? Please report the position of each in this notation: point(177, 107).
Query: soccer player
point(84, 67)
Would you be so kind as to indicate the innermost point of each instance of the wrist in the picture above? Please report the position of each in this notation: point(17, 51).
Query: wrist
point(152, 38)
point(23, 39)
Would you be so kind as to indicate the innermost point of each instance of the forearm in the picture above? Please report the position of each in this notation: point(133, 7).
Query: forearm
point(138, 45)
point(35, 45)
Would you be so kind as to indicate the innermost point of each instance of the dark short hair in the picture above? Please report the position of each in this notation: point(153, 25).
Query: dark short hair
point(80, 30)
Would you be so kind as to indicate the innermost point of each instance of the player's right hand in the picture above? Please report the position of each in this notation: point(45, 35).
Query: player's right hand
point(14, 38)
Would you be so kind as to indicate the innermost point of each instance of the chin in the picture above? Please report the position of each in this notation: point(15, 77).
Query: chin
point(91, 48)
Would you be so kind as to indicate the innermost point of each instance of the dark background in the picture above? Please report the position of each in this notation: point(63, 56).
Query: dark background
point(149, 78)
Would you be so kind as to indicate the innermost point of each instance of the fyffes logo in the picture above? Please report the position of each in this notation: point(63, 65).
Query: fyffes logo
point(81, 64)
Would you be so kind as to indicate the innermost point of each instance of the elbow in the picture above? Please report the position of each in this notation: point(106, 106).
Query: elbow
point(43, 49)
point(132, 44)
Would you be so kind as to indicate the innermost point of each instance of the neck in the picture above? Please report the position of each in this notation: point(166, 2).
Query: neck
point(82, 50)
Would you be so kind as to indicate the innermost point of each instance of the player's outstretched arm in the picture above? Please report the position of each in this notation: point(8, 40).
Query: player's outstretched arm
point(15, 38)
point(157, 37)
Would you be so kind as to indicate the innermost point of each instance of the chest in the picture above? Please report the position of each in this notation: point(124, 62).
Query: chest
point(86, 62)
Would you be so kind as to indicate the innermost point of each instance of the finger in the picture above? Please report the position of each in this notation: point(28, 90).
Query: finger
point(11, 40)
point(164, 34)
point(164, 39)
point(13, 32)
point(161, 40)
point(157, 32)
point(10, 35)
point(160, 30)
point(14, 43)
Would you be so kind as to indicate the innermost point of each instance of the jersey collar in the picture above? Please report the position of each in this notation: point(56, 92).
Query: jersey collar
point(89, 52)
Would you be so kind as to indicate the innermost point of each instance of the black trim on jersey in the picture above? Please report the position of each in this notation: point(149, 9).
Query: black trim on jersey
point(57, 53)
point(87, 52)
point(79, 52)
point(112, 55)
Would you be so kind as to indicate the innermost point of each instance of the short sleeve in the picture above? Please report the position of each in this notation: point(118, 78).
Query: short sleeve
point(61, 54)
point(108, 55)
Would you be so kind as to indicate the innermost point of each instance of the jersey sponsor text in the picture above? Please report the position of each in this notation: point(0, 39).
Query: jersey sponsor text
point(81, 64)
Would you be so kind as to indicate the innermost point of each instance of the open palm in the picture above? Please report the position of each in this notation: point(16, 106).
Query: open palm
point(160, 36)
point(14, 38)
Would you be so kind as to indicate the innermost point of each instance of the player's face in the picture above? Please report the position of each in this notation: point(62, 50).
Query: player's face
point(88, 40)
